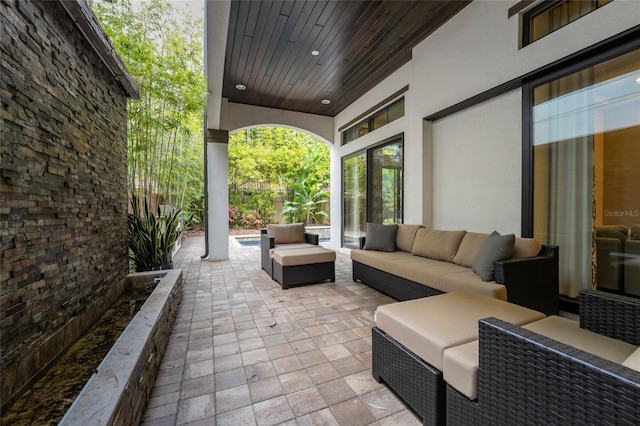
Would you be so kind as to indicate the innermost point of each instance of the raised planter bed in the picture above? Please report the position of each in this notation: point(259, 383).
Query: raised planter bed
point(118, 392)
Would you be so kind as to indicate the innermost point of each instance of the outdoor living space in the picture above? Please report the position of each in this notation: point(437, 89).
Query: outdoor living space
point(244, 351)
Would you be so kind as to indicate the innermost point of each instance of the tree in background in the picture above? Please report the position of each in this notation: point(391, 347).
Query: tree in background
point(269, 161)
point(162, 46)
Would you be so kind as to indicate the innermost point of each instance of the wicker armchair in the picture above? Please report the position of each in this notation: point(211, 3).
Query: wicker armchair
point(525, 378)
point(268, 242)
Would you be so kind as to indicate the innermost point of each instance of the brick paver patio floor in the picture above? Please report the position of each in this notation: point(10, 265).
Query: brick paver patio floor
point(243, 351)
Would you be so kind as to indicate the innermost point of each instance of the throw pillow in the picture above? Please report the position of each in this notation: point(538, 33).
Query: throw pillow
point(468, 249)
point(496, 247)
point(380, 237)
point(405, 236)
point(526, 247)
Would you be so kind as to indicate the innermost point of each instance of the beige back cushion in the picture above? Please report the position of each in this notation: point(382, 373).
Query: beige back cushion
point(469, 248)
point(405, 236)
point(526, 247)
point(633, 361)
point(287, 233)
point(436, 244)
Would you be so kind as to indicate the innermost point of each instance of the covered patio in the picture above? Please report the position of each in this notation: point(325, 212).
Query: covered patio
point(244, 351)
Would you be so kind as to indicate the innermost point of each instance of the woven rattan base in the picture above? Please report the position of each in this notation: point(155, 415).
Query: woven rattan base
point(418, 384)
point(391, 285)
point(288, 276)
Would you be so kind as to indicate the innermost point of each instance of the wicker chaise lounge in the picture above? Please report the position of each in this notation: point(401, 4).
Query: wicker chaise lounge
point(525, 378)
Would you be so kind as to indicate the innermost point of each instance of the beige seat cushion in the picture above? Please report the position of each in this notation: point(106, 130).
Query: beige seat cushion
point(440, 275)
point(633, 361)
point(436, 244)
point(304, 256)
point(286, 233)
point(460, 365)
point(405, 236)
point(291, 246)
point(430, 325)
point(569, 332)
point(460, 368)
point(469, 246)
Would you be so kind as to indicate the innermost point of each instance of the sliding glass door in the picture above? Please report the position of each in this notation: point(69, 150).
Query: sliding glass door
point(372, 189)
point(586, 174)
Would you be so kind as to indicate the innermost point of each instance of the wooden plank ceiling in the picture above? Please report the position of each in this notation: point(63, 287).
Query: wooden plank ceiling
point(359, 43)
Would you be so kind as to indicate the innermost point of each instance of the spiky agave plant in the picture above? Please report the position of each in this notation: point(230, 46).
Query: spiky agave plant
point(152, 235)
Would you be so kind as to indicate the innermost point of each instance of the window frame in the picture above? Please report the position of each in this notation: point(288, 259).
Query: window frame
point(367, 151)
point(545, 6)
point(594, 55)
point(369, 122)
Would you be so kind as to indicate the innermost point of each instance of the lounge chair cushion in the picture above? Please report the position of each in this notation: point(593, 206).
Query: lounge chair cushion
point(304, 256)
point(290, 246)
point(496, 247)
point(569, 332)
point(633, 361)
point(405, 236)
point(460, 364)
point(419, 326)
point(380, 237)
point(468, 249)
point(287, 233)
point(460, 368)
point(436, 244)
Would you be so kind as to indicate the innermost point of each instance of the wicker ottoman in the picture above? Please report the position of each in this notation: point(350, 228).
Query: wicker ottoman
point(303, 266)
point(410, 338)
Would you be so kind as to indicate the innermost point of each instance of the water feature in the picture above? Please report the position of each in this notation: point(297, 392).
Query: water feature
point(50, 397)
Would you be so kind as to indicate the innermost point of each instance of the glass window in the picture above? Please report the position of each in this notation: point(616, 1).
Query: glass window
point(396, 111)
point(550, 16)
point(354, 209)
point(372, 189)
point(363, 129)
point(380, 120)
point(375, 121)
point(586, 174)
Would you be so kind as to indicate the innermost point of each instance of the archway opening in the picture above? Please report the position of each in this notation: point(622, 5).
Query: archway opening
point(277, 175)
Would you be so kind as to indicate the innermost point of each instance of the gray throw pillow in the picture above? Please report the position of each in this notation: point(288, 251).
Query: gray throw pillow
point(380, 237)
point(496, 247)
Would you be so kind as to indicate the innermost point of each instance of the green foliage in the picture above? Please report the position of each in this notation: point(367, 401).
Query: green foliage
point(307, 203)
point(264, 163)
point(161, 46)
point(152, 236)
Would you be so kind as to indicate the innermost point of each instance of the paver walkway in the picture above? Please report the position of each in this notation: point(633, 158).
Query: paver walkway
point(243, 351)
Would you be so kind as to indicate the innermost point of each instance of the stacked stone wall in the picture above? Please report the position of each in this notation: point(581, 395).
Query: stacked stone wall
point(63, 193)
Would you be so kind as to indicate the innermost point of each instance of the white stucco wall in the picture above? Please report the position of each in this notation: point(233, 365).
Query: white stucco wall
point(240, 116)
point(475, 163)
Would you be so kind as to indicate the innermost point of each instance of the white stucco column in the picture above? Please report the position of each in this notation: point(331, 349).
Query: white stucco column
point(218, 193)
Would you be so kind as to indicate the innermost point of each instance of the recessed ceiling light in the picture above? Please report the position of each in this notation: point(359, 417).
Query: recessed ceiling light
point(241, 87)
point(326, 101)
point(315, 53)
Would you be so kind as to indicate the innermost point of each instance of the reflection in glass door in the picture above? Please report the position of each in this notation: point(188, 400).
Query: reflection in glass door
point(354, 178)
point(372, 189)
point(386, 184)
point(586, 179)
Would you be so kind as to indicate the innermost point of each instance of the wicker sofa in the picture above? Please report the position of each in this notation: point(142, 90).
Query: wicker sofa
point(430, 262)
point(526, 378)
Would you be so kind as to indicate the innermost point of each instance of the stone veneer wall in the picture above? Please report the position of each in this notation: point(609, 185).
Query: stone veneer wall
point(63, 194)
